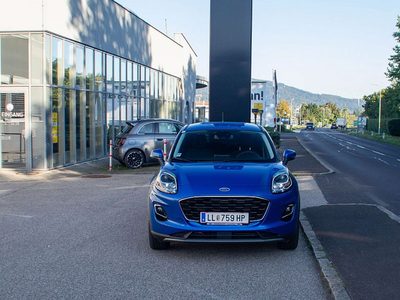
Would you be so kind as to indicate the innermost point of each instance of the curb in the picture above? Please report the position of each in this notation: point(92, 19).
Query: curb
point(331, 277)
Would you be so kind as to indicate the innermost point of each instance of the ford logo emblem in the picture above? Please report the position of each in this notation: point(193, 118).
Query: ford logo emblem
point(224, 189)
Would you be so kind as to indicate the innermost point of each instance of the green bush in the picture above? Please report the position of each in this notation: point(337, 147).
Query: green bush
point(394, 127)
point(373, 125)
point(275, 136)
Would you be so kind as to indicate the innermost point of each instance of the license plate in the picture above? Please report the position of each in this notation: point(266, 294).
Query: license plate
point(224, 218)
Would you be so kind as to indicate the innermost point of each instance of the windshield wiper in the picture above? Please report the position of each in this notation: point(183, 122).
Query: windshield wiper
point(181, 159)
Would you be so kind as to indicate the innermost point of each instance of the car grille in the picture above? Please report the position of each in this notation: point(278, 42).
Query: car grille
point(256, 207)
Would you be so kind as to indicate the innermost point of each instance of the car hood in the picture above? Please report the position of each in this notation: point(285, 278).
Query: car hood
point(224, 174)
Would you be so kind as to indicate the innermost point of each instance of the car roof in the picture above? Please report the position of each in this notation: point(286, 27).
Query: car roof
point(223, 126)
point(152, 120)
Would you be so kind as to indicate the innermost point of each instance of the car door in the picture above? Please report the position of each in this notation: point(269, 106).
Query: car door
point(166, 130)
point(146, 139)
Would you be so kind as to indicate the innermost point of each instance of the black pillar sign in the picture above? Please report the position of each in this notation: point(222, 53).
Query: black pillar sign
point(230, 60)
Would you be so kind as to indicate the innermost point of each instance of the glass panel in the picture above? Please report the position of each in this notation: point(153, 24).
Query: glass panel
point(79, 67)
point(37, 58)
point(123, 109)
point(57, 61)
point(110, 120)
point(129, 108)
point(80, 110)
point(147, 83)
point(152, 109)
point(89, 69)
point(146, 108)
point(69, 126)
point(69, 78)
point(117, 114)
point(110, 74)
point(152, 84)
point(58, 130)
point(98, 71)
point(122, 89)
point(135, 80)
point(14, 59)
point(99, 125)
point(156, 85)
point(116, 74)
point(12, 130)
point(161, 86)
point(90, 128)
point(38, 129)
point(129, 78)
point(135, 109)
point(142, 81)
point(48, 59)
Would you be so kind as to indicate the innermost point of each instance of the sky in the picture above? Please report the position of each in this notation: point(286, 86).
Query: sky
point(332, 47)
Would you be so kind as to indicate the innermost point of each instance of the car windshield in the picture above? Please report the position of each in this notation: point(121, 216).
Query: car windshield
point(223, 145)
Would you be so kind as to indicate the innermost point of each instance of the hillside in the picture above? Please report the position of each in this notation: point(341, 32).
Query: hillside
point(287, 93)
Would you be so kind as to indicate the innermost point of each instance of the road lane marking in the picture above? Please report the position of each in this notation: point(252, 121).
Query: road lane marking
point(376, 199)
point(378, 153)
point(15, 215)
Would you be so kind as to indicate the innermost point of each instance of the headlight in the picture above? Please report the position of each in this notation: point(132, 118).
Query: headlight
point(166, 183)
point(281, 182)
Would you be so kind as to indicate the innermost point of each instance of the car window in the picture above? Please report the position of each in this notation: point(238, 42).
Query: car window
point(167, 128)
point(147, 129)
point(127, 128)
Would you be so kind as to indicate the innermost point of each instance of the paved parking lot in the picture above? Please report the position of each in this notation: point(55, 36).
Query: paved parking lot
point(81, 232)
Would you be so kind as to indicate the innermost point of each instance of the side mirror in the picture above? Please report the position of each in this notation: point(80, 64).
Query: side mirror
point(288, 155)
point(157, 153)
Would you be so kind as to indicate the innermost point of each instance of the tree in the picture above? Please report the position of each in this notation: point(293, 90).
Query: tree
point(393, 71)
point(283, 109)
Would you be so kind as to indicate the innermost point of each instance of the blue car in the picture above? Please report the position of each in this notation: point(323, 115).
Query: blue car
point(224, 182)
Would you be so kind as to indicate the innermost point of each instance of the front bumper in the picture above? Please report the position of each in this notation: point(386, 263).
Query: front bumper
point(270, 228)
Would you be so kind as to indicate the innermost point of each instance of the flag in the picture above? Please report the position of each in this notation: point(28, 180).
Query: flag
point(275, 86)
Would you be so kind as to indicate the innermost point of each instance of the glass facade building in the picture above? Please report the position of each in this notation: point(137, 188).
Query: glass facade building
point(62, 101)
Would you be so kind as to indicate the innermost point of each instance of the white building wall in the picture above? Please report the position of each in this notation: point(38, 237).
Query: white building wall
point(104, 25)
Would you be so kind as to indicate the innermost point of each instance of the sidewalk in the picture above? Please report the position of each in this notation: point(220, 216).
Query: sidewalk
point(94, 168)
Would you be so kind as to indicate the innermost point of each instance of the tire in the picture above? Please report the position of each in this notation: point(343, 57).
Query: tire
point(134, 159)
point(156, 244)
point(292, 242)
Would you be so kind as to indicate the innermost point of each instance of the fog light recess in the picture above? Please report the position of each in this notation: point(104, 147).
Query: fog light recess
point(161, 215)
point(288, 213)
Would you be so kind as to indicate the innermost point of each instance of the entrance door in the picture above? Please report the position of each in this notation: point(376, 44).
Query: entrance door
point(12, 129)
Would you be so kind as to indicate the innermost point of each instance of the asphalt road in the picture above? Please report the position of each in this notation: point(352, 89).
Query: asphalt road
point(359, 226)
point(365, 171)
point(75, 237)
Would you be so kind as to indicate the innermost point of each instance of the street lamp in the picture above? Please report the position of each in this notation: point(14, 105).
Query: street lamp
point(380, 107)
point(291, 112)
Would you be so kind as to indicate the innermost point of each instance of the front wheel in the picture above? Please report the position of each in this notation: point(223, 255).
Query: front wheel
point(292, 242)
point(134, 159)
point(156, 244)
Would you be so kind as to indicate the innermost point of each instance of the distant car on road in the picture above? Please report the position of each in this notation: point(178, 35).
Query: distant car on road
point(133, 145)
point(224, 182)
point(334, 126)
point(310, 126)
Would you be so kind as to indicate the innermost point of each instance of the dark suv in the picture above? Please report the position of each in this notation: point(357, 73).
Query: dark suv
point(135, 142)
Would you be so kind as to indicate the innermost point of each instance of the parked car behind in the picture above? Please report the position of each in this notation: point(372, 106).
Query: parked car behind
point(224, 182)
point(310, 126)
point(334, 126)
point(133, 145)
